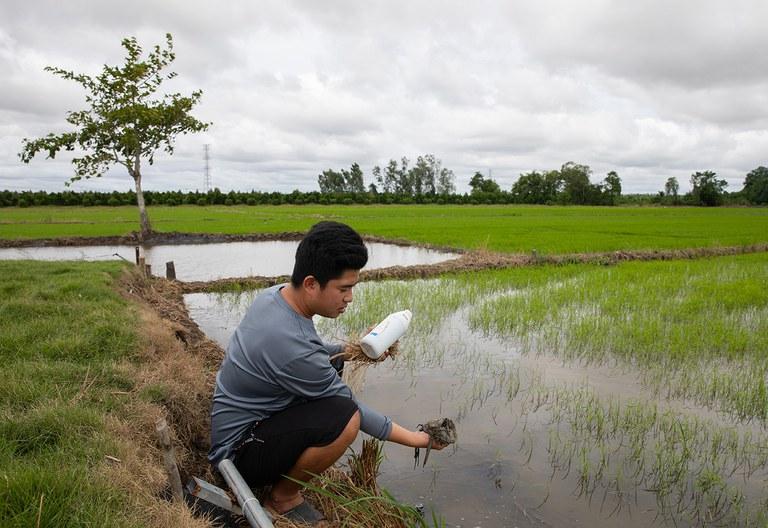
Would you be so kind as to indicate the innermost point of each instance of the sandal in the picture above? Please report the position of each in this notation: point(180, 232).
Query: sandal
point(304, 513)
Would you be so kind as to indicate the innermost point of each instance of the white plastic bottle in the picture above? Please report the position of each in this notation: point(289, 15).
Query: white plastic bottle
point(392, 328)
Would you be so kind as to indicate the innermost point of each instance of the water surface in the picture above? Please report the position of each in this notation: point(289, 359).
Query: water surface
point(203, 262)
point(499, 474)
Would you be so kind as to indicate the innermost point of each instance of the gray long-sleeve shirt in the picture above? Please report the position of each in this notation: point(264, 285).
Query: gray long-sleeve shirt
point(274, 360)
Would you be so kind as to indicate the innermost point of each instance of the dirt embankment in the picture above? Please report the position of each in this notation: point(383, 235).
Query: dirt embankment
point(132, 239)
point(173, 375)
point(180, 359)
point(466, 261)
point(483, 260)
point(176, 238)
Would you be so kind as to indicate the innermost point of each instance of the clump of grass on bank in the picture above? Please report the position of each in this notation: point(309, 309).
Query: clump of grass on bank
point(354, 498)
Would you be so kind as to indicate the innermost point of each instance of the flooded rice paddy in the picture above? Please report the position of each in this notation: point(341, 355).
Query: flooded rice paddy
point(211, 261)
point(550, 435)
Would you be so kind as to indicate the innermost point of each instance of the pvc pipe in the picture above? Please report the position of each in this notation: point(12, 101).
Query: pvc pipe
point(252, 510)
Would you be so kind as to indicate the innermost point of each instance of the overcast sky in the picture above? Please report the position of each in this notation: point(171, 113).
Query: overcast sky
point(650, 88)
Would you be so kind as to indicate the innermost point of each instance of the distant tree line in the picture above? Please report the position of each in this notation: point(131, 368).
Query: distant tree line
point(217, 197)
point(709, 190)
point(428, 182)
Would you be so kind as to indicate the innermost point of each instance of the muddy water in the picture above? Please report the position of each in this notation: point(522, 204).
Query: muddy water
point(203, 262)
point(499, 474)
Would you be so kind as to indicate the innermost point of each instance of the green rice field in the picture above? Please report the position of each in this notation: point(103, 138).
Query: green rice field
point(497, 228)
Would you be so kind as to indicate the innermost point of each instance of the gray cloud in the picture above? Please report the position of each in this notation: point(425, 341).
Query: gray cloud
point(649, 89)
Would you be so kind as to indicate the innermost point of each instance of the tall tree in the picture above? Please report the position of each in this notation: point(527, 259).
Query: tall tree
point(577, 188)
point(377, 177)
point(424, 173)
point(612, 188)
point(404, 180)
point(480, 184)
point(553, 185)
point(476, 182)
point(386, 179)
point(445, 182)
point(346, 181)
point(391, 177)
point(529, 188)
point(353, 179)
point(126, 122)
point(671, 189)
point(331, 181)
point(756, 185)
point(427, 176)
point(707, 189)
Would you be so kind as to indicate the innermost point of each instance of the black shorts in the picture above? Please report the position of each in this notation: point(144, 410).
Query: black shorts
point(269, 449)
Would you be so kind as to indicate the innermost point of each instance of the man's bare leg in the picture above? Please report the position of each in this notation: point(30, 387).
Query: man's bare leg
point(314, 460)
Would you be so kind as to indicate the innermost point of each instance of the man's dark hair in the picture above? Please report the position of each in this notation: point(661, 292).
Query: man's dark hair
point(327, 251)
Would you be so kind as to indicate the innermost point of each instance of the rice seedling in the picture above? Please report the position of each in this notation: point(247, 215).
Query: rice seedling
point(695, 329)
point(697, 470)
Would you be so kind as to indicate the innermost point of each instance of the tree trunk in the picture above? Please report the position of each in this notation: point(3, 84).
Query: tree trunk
point(146, 228)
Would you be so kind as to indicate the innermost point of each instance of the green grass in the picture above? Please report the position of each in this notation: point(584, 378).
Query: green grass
point(500, 228)
point(62, 329)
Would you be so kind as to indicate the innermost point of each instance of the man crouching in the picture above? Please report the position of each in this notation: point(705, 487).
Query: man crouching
point(280, 408)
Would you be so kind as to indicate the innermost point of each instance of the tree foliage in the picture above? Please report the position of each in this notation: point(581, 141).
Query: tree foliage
point(577, 188)
point(427, 177)
point(125, 121)
point(611, 188)
point(756, 186)
point(480, 184)
point(345, 181)
point(707, 189)
point(672, 189)
point(537, 187)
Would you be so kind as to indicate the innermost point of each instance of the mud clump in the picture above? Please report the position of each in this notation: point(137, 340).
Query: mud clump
point(442, 431)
